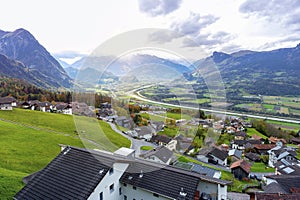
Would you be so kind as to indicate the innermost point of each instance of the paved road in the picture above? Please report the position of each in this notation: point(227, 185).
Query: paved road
point(135, 144)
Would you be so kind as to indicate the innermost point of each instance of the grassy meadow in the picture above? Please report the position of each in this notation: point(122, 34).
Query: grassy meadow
point(29, 140)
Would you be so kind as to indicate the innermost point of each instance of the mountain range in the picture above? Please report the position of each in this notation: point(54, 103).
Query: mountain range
point(275, 72)
point(22, 56)
point(266, 72)
point(141, 66)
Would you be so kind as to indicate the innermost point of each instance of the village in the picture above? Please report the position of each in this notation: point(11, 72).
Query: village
point(273, 163)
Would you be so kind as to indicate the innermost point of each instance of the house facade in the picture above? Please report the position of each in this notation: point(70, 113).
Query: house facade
point(7, 103)
point(114, 176)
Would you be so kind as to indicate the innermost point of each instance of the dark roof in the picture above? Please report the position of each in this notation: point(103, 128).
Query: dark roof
point(237, 153)
point(239, 142)
point(222, 155)
point(75, 173)
point(288, 183)
point(7, 100)
point(265, 196)
point(242, 164)
point(161, 152)
point(203, 170)
point(196, 168)
point(295, 140)
point(161, 180)
point(166, 181)
point(241, 134)
point(252, 156)
point(161, 138)
point(61, 106)
point(253, 141)
point(144, 130)
point(44, 104)
point(273, 188)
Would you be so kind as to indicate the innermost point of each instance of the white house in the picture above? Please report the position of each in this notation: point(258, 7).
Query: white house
point(7, 103)
point(63, 108)
point(86, 174)
point(144, 132)
point(213, 155)
point(278, 153)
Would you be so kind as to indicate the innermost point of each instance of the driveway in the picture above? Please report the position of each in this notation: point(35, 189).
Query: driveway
point(135, 144)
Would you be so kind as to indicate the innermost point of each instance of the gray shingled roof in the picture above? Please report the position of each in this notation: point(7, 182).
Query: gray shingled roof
point(274, 188)
point(287, 182)
point(75, 173)
point(161, 152)
point(5, 100)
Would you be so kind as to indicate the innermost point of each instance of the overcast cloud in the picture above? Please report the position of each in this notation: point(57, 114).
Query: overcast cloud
point(285, 12)
point(158, 7)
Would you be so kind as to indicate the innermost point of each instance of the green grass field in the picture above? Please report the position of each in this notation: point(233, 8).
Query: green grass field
point(261, 167)
point(288, 125)
point(33, 141)
point(24, 151)
point(253, 131)
point(171, 132)
point(146, 148)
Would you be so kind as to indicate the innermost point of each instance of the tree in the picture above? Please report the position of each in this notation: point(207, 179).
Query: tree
point(267, 141)
point(201, 133)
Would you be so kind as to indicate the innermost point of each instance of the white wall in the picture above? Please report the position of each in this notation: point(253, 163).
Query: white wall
point(109, 179)
point(139, 194)
point(67, 111)
point(6, 107)
point(172, 145)
point(222, 192)
point(208, 188)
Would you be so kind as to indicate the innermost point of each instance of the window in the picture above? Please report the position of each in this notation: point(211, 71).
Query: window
point(101, 196)
point(156, 195)
point(111, 188)
point(125, 197)
point(120, 191)
point(111, 171)
point(133, 187)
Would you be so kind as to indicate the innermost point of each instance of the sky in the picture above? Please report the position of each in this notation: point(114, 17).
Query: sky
point(63, 26)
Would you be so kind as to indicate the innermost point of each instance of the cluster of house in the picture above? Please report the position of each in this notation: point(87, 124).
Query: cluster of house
point(92, 174)
point(8, 103)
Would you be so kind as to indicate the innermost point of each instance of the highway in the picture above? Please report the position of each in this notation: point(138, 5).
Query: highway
point(136, 94)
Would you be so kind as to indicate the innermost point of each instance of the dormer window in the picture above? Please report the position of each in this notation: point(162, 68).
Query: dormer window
point(111, 171)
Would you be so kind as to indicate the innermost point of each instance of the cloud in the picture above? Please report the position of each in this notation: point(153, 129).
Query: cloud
point(210, 40)
point(287, 12)
point(285, 41)
point(163, 36)
point(158, 7)
point(193, 24)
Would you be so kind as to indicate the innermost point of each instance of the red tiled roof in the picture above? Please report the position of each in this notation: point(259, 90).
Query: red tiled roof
point(264, 146)
point(242, 164)
point(256, 137)
point(275, 140)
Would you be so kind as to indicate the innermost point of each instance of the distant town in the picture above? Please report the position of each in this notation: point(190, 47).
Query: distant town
point(231, 155)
